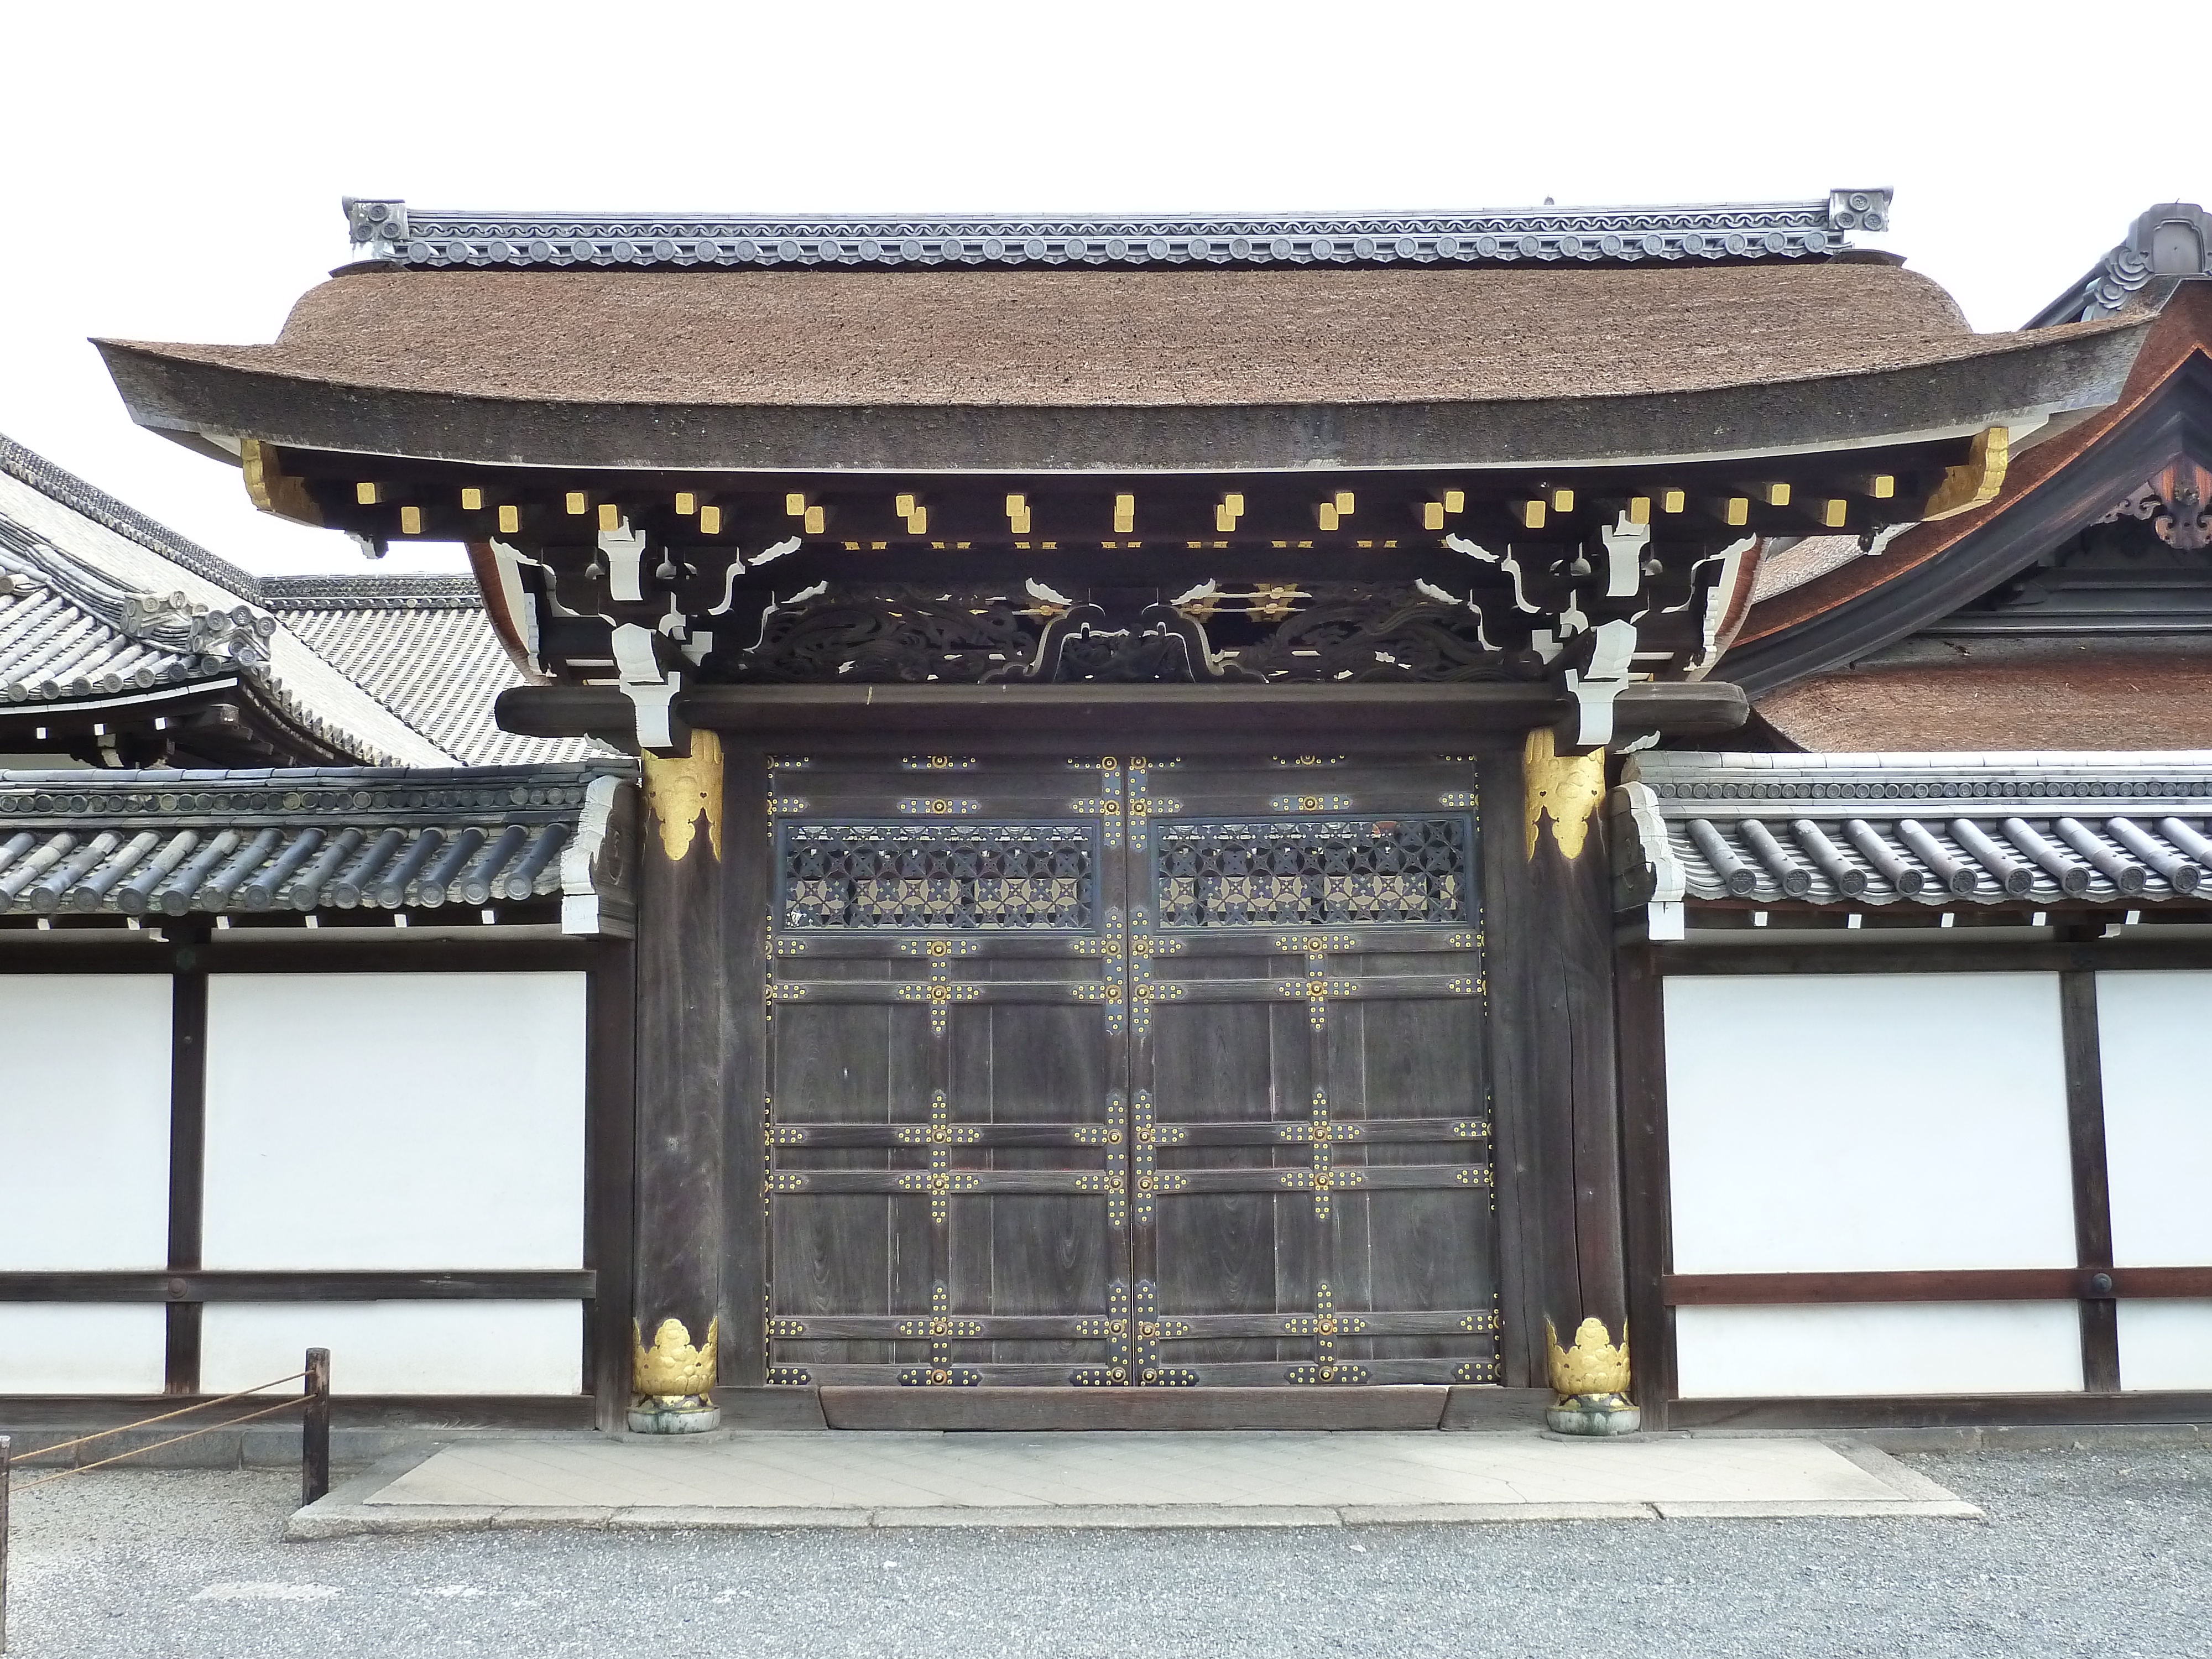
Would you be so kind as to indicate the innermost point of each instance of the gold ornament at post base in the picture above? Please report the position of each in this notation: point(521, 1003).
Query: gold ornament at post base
point(1591, 1381)
point(672, 1381)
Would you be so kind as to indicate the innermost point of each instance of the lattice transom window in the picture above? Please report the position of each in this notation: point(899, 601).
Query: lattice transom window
point(928, 877)
point(1311, 871)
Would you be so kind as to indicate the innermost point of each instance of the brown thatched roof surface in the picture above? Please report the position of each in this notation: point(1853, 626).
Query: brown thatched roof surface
point(2098, 699)
point(1062, 338)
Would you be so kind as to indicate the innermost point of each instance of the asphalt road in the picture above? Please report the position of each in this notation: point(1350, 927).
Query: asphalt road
point(2105, 1552)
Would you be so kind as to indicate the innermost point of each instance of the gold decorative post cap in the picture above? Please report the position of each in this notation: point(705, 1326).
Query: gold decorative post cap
point(672, 1368)
point(1592, 1367)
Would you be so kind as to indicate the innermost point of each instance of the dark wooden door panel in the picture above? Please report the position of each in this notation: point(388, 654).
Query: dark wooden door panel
point(1120, 1073)
point(1315, 1061)
point(971, 916)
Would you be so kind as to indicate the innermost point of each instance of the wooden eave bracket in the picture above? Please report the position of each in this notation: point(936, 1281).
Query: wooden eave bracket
point(272, 489)
point(1646, 874)
point(1975, 483)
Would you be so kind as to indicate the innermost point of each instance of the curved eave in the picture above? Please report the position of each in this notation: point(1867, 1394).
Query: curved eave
point(183, 397)
point(1931, 570)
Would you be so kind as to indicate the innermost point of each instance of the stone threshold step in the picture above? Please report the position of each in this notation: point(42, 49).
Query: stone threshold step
point(360, 1519)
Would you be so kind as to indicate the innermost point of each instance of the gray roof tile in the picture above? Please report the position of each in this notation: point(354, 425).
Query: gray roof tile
point(98, 601)
point(168, 842)
point(2024, 829)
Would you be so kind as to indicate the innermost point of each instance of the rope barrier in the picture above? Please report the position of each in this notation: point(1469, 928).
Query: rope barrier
point(177, 1440)
point(314, 1446)
point(148, 1422)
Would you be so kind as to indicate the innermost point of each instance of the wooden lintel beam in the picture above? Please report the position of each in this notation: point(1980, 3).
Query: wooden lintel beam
point(1224, 717)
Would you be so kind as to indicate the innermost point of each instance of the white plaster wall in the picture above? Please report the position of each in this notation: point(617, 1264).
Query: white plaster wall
point(1867, 1122)
point(1879, 1348)
point(48, 1347)
point(84, 1121)
point(398, 1347)
point(2165, 1345)
point(2158, 1118)
point(420, 1121)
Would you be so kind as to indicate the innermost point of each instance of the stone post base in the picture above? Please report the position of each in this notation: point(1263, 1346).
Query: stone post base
point(692, 1413)
point(1599, 1414)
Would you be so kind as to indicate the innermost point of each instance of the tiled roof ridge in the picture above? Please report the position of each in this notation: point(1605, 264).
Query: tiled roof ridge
point(58, 484)
point(388, 229)
point(2037, 762)
point(397, 592)
point(1753, 783)
point(78, 780)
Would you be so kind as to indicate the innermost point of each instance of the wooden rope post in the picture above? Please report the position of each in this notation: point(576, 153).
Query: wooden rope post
point(3, 1543)
point(315, 1429)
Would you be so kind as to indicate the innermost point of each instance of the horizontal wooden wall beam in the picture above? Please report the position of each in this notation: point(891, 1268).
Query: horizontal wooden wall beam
point(304, 1286)
point(107, 950)
point(1934, 952)
point(1954, 1284)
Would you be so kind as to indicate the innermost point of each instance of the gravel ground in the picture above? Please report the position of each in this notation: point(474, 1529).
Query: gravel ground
point(2098, 1552)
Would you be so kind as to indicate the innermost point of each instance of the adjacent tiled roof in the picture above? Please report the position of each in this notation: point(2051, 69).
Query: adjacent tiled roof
point(2021, 830)
point(170, 843)
point(424, 647)
point(98, 601)
point(1782, 568)
point(132, 605)
point(65, 636)
point(1082, 337)
point(102, 508)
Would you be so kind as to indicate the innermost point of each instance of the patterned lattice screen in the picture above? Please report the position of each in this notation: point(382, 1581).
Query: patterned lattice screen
point(1221, 873)
point(924, 877)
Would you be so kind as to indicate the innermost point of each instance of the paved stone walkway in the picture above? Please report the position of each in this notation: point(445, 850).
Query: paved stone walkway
point(848, 1480)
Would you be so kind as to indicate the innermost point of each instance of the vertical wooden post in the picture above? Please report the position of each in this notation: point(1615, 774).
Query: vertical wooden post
point(188, 1024)
point(1554, 1070)
point(2093, 1200)
point(1646, 1198)
point(315, 1429)
point(683, 1092)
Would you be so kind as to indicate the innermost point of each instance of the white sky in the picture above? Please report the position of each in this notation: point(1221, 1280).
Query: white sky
point(174, 171)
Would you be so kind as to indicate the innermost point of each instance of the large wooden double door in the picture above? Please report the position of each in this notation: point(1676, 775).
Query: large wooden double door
point(1118, 1072)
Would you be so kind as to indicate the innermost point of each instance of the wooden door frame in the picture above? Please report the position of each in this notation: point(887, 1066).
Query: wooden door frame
point(1548, 944)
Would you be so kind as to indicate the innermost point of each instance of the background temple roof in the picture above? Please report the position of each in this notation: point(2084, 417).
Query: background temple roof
point(98, 603)
point(424, 647)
